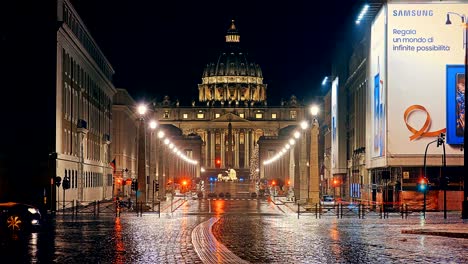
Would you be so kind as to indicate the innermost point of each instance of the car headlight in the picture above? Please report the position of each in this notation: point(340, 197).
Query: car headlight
point(33, 210)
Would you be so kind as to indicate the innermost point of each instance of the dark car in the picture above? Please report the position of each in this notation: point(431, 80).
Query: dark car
point(19, 216)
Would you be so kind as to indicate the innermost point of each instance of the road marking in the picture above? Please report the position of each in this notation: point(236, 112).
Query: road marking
point(208, 248)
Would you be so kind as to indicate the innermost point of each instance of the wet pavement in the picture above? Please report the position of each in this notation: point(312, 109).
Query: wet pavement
point(235, 231)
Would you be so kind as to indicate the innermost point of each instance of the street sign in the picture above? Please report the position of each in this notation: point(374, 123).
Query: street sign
point(406, 175)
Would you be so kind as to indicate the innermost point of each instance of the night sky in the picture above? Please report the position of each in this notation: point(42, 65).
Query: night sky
point(160, 48)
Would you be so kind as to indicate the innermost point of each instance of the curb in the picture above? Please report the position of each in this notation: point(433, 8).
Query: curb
point(436, 233)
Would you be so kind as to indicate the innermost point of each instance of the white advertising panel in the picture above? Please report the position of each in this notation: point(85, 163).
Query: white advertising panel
point(334, 125)
point(378, 86)
point(425, 49)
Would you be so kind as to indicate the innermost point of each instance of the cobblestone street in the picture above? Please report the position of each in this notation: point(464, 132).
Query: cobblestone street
point(235, 232)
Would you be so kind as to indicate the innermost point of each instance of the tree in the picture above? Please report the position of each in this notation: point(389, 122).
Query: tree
point(254, 166)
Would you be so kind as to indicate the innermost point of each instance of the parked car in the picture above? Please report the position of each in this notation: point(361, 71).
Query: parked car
point(327, 202)
point(16, 216)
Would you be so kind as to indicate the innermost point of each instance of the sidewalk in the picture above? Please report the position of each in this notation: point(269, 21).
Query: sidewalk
point(448, 231)
point(435, 225)
point(455, 230)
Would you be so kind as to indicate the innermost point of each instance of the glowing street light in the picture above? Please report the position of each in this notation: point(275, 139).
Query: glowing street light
point(142, 109)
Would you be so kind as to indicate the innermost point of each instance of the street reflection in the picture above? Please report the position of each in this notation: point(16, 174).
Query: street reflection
point(219, 207)
point(119, 244)
point(335, 237)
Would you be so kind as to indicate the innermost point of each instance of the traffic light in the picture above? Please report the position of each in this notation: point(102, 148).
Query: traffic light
point(134, 185)
point(66, 183)
point(440, 139)
point(422, 184)
point(58, 181)
point(218, 163)
point(156, 186)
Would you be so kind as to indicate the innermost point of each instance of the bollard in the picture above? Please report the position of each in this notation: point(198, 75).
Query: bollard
point(320, 210)
point(298, 210)
point(380, 212)
point(95, 208)
point(159, 209)
point(402, 210)
point(337, 210)
point(406, 211)
point(359, 210)
point(316, 212)
point(341, 210)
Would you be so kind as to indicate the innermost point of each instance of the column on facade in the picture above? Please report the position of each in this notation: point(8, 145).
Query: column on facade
point(212, 148)
point(82, 132)
point(206, 148)
point(223, 148)
point(236, 148)
point(247, 149)
point(106, 174)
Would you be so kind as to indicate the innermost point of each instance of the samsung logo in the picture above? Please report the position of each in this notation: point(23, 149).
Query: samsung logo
point(413, 13)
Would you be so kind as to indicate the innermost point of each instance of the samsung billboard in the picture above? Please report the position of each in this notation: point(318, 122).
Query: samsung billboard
point(417, 78)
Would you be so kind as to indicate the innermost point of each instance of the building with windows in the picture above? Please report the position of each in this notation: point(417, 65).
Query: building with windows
point(390, 124)
point(61, 86)
point(84, 92)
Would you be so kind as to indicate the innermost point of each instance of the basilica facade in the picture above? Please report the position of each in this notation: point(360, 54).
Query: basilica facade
point(231, 114)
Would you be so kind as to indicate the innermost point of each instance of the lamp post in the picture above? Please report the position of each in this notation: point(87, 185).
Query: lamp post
point(152, 126)
point(465, 42)
point(314, 188)
point(141, 188)
point(159, 167)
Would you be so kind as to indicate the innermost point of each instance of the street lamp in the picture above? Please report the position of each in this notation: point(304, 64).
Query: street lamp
point(314, 187)
point(465, 42)
point(152, 126)
point(141, 188)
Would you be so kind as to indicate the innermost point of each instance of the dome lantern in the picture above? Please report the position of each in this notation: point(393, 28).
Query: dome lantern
point(232, 33)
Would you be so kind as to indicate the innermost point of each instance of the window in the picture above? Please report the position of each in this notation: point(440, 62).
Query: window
point(200, 115)
point(217, 115)
point(242, 115)
point(259, 115)
point(185, 116)
point(273, 116)
point(166, 114)
point(293, 114)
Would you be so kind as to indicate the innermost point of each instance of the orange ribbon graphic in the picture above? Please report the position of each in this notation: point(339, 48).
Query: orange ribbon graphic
point(423, 131)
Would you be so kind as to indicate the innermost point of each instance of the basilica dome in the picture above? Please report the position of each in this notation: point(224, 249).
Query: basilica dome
point(233, 77)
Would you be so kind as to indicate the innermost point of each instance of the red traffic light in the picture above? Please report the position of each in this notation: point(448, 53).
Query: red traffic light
point(273, 183)
point(218, 163)
point(422, 184)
